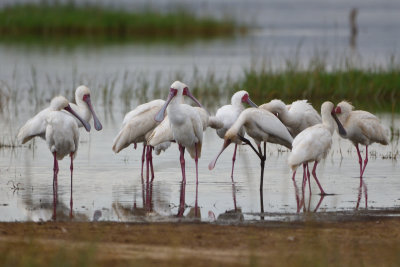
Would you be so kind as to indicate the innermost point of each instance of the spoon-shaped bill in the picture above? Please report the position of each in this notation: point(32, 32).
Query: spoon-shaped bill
point(214, 161)
point(97, 124)
point(84, 123)
point(341, 129)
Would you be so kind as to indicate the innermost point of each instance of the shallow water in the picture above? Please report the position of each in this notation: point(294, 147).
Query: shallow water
point(109, 186)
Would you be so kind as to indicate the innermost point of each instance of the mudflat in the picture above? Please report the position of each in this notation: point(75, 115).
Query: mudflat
point(373, 242)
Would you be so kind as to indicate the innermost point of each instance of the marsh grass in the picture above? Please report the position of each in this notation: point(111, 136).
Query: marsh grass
point(58, 22)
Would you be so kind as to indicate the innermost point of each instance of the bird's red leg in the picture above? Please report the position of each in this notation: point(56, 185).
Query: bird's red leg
point(144, 151)
point(365, 160)
point(234, 195)
point(233, 162)
point(262, 163)
point(151, 163)
point(72, 170)
point(359, 160)
point(309, 179)
point(319, 203)
point(316, 179)
point(366, 194)
point(359, 194)
point(296, 191)
point(183, 185)
point(196, 159)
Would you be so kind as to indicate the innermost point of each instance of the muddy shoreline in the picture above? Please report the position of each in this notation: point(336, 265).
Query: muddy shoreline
point(361, 242)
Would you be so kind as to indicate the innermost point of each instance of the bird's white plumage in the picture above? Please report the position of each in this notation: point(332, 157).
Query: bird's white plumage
point(62, 134)
point(261, 125)
point(297, 116)
point(361, 126)
point(313, 143)
point(138, 125)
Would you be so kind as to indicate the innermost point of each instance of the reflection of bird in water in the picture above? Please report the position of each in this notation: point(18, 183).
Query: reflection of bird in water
point(313, 143)
point(226, 117)
point(362, 128)
point(61, 133)
point(187, 128)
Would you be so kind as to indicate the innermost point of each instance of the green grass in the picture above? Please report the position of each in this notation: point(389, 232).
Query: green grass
point(29, 21)
point(379, 88)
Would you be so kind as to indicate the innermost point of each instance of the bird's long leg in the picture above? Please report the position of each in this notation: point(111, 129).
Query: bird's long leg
point(262, 163)
point(143, 155)
point(359, 160)
point(147, 175)
point(183, 184)
point(72, 170)
point(196, 159)
point(55, 171)
point(233, 162)
point(247, 141)
point(365, 160)
point(316, 179)
point(151, 163)
point(309, 178)
point(296, 191)
point(182, 160)
point(234, 196)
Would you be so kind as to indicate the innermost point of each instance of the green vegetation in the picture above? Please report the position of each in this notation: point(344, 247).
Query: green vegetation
point(62, 21)
point(370, 87)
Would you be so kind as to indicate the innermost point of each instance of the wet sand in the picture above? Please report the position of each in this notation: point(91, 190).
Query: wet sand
point(369, 242)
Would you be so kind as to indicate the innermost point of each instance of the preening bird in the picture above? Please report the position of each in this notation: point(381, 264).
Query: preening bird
point(314, 143)
point(60, 132)
point(226, 117)
point(362, 128)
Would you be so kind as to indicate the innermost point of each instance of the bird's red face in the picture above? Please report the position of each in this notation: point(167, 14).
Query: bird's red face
point(185, 91)
point(338, 110)
point(246, 99)
point(173, 91)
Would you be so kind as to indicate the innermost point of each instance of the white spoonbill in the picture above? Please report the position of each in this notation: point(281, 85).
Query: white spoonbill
point(137, 126)
point(226, 117)
point(61, 134)
point(314, 143)
point(186, 125)
point(362, 128)
point(84, 107)
point(297, 116)
point(262, 126)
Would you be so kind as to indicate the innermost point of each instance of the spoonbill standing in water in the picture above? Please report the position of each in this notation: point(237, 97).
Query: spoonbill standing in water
point(187, 129)
point(137, 126)
point(60, 132)
point(226, 117)
point(362, 128)
point(314, 143)
point(297, 117)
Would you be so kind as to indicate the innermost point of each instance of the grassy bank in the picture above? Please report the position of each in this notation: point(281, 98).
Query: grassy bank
point(371, 87)
point(29, 21)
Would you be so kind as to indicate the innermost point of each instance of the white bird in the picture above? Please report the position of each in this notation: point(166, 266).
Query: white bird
point(36, 126)
point(61, 134)
point(262, 126)
point(84, 107)
point(187, 128)
point(362, 128)
point(314, 143)
point(137, 126)
point(226, 117)
point(297, 116)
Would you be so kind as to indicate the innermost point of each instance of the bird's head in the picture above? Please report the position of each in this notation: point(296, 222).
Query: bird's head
point(82, 93)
